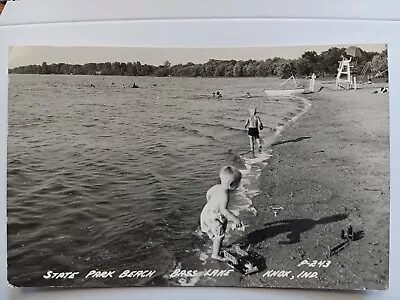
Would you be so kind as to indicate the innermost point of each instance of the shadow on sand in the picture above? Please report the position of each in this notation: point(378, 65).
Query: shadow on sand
point(291, 141)
point(293, 227)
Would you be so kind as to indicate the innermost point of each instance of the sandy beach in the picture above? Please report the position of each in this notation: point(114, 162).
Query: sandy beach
point(329, 170)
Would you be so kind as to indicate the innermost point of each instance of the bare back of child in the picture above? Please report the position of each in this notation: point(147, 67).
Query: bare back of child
point(254, 124)
point(215, 214)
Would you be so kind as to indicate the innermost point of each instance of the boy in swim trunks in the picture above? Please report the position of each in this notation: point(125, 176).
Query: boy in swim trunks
point(254, 124)
point(215, 214)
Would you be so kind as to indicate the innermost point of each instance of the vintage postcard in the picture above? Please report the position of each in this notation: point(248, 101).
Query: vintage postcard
point(240, 167)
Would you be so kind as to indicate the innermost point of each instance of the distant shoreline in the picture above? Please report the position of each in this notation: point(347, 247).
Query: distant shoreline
point(322, 79)
point(324, 64)
point(325, 78)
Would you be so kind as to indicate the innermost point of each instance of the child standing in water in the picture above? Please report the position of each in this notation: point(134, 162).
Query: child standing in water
point(215, 214)
point(254, 124)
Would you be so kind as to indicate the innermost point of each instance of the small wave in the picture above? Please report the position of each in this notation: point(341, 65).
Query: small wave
point(249, 188)
point(192, 131)
point(304, 106)
point(219, 126)
point(260, 158)
point(18, 226)
point(203, 96)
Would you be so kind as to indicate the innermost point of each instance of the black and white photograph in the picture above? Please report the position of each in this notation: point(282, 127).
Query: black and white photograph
point(199, 167)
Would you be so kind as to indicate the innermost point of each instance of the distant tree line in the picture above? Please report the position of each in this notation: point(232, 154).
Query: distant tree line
point(324, 64)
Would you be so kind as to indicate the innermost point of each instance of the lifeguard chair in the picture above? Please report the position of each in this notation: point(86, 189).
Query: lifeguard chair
point(344, 71)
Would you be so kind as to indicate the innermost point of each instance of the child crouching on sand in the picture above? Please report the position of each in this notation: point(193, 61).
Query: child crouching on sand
point(215, 214)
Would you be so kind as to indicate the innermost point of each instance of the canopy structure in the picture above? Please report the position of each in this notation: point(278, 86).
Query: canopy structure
point(354, 51)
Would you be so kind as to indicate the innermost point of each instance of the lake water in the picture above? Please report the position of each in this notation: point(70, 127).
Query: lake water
point(109, 177)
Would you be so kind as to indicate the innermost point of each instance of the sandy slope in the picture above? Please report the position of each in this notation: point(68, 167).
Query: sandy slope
point(329, 170)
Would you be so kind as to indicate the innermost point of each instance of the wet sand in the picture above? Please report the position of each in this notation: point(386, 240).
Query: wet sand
point(329, 170)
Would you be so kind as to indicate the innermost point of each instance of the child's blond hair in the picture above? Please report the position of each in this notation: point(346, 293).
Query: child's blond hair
point(230, 176)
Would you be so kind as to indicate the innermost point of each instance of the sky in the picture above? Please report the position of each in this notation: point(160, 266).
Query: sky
point(27, 55)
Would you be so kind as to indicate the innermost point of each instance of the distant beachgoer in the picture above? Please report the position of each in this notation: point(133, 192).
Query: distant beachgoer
point(312, 82)
point(92, 85)
point(219, 95)
point(134, 86)
point(215, 214)
point(123, 85)
point(213, 94)
point(254, 124)
point(248, 95)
